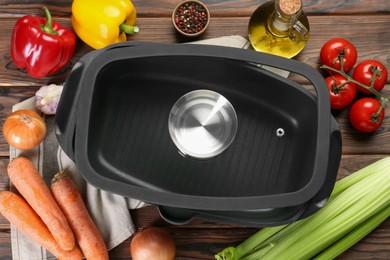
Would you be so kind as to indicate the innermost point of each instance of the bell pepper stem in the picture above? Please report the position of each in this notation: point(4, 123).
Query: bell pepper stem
point(48, 27)
point(128, 29)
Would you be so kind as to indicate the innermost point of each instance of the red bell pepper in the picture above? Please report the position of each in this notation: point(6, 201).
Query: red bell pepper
point(41, 45)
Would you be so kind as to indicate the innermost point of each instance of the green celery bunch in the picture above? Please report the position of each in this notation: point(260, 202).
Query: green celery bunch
point(358, 204)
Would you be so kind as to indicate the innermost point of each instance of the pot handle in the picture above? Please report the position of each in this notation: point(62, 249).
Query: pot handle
point(335, 152)
point(65, 119)
point(273, 61)
point(65, 116)
point(322, 158)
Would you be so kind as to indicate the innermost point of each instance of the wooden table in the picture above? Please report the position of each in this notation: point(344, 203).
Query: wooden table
point(364, 22)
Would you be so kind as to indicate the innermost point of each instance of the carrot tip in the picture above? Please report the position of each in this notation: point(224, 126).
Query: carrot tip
point(58, 176)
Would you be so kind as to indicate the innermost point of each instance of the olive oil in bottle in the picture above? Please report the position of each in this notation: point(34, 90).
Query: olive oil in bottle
point(279, 27)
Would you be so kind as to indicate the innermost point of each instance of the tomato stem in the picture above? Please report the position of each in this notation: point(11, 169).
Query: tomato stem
point(375, 72)
point(338, 88)
point(375, 117)
point(382, 99)
point(340, 57)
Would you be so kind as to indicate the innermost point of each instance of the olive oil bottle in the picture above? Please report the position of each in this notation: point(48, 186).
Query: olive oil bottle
point(279, 27)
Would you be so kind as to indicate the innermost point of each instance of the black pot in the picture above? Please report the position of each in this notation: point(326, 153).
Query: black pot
point(280, 165)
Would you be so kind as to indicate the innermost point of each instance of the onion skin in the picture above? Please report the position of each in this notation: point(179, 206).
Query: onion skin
point(152, 243)
point(24, 129)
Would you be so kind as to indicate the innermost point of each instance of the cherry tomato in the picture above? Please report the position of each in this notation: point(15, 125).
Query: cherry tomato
point(341, 91)
point(364, 73)
point(363, 115)
point(337, 49)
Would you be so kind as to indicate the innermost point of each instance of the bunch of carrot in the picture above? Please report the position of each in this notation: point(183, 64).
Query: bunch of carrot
point(56, 219)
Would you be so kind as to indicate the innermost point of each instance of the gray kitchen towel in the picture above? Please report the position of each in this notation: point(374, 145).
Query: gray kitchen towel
point(109, 211)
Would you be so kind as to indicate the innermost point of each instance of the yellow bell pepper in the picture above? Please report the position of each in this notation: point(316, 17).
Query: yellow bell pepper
point(103, 22)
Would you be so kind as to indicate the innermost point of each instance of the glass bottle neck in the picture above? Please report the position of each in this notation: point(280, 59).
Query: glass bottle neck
point(281, 20)
point(284, 20)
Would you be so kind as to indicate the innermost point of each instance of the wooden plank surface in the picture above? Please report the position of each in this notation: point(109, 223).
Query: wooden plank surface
point(164, 8)
point(363, 22)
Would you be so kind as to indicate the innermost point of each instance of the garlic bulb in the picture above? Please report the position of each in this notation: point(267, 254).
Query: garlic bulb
point(47, 98)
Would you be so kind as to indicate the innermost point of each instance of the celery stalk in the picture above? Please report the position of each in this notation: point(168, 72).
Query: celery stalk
point(249, 249)
point(359, 175)
point(248, 245)
point(350, 212)
point(258, 239)
point(259, 253)
point(324, 235)
point(261, 242)
point(337, 206)
point(354, 236)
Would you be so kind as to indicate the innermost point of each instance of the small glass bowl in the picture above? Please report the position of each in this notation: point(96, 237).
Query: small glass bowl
point(191, 23)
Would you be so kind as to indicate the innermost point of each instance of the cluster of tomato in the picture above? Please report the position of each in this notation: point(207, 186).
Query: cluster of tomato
point(369, 77)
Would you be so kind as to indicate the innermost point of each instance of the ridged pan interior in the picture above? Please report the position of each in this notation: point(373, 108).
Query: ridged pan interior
point(129, 139)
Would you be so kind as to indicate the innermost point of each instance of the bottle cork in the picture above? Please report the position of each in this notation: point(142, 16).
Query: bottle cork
point(290, 7)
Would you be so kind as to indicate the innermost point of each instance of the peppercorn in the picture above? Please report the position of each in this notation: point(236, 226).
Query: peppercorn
point(191, 17)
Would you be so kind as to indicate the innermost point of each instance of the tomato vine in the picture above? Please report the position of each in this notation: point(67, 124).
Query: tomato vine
point(369, 78)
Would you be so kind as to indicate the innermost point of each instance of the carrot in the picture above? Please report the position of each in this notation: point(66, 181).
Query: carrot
point(68, 196)
point(20, 214)
point(32, 187)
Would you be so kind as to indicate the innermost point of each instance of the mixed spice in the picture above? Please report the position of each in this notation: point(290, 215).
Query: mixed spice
point(191, 17)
